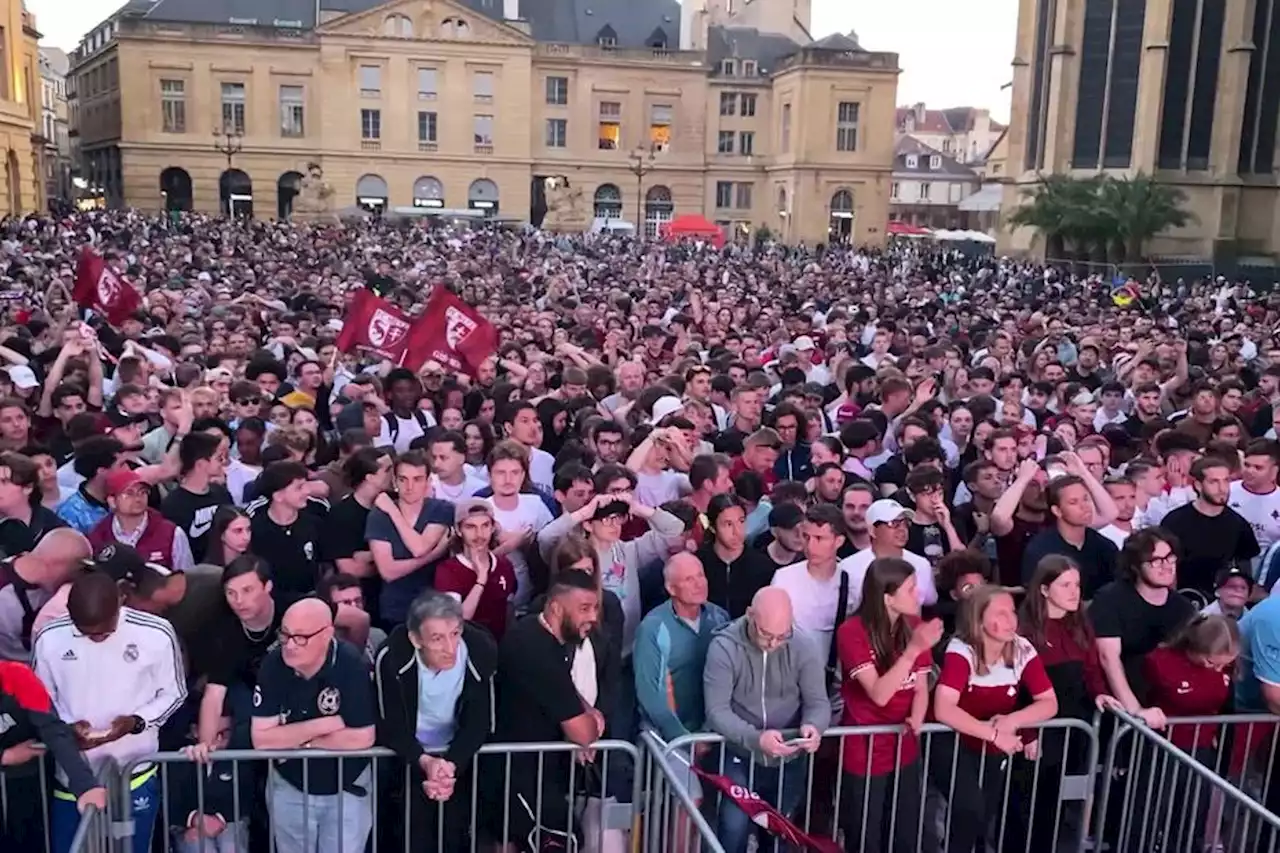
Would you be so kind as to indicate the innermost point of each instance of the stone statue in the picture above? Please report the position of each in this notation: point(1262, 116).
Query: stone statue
point(314, 201)
point(566, 212)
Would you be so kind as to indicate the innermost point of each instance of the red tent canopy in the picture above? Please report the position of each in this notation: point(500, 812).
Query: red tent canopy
point(693, 225)
point(906, 229)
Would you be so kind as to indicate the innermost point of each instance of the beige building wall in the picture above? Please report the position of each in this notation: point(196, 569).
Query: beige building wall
point(650, 89)
point(21, 181)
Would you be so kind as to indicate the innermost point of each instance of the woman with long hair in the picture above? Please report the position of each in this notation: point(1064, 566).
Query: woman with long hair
point(479, 438)
point(554, 416)
point(230, 536)
point(986, 668)
point(885, 659)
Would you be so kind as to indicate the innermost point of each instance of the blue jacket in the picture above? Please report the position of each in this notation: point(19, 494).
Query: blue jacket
point(668, 661)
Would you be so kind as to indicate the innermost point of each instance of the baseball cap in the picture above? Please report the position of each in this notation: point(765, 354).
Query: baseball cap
point(611, 509)
point(786, 516)
point(884, 511)
point(664, 406)
point(120, 480)
point(118, 417)
point(1232, 572)
point(124, 563)
point(22, 376)
point(473, 506)
point(804, 343)
point(298, 400)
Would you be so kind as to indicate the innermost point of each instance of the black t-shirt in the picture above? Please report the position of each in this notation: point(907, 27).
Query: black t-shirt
point(1209, 543)
point(242, 651)
point(1118, 611)
point(535, 693)
point(293, 552)
point(193, 513)
point(928, 540)
point(18, 537)
point(1096, 558)
point(1092, 381)
point(893, 472)
point(342, 688)
point(343, 537)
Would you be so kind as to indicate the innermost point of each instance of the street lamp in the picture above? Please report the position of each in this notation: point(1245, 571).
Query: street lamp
point(643, 161)
point(229, 142)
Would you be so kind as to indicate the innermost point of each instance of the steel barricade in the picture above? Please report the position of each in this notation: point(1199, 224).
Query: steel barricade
point(673, 822)
point(510, 789)
point(946, 795)
point(1165, 790)
point(26, 795)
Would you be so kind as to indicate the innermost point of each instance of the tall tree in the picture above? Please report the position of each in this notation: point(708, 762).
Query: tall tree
point(1141, 208)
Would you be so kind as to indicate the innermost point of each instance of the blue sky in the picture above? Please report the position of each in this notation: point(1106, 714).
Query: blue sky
point(951, 55)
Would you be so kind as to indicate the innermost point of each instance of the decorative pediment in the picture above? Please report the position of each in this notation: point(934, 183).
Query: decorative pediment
point(424, 20)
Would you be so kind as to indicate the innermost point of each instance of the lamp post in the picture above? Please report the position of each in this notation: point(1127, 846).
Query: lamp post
point(228, 142)
point(643, 161)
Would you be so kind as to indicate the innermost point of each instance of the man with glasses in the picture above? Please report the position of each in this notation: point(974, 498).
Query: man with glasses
point(116, 675)
point(760, 681)
point(314, 693)
point(889, 523)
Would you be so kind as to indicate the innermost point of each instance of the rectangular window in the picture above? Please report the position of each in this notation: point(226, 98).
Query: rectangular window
point(724, 144)
point(609, 134)
point(370, 125)
point(925, 187)
point(661, 117)
point(786, 127)
point(847, 126)
point(558, 91)
point(893, 190)
point(173, 106)
point(292, 111)
point(748, 105)
point(748, 68)
point(426, 127)
point(371, 81)
point(482, 130)
point(744, 197)
point(935, 162)
point(724, 194)
point(233, 100)
point(747, 143)
point(426, 84)
point(911, 161)
point(728, 67)
point(557, 133)
point(728, 103)
point(482, 86)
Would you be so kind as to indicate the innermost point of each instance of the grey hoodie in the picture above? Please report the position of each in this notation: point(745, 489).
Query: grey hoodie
point(749, 691)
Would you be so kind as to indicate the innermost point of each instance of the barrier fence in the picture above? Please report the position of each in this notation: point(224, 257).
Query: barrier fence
point(1196, 786)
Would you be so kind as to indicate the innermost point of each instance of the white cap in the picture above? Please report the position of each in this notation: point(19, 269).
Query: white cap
point(804, 343)
point(22, 376)
point(884, 511)
point(664, 406)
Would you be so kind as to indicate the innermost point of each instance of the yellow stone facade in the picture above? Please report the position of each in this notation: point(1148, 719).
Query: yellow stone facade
point(21, 181)
point(129, 87)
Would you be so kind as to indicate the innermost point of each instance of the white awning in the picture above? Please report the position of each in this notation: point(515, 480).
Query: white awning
point(984, 200)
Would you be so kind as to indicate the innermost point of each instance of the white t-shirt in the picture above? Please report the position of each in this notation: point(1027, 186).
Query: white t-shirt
point(858, 564)
point(529, 512)
point(407, 429)
point(240, 475)
point(657, 489)
point(1115, 534)
point(467, 488)
point(813, 603)
point(542, 468)
point(1261, 511)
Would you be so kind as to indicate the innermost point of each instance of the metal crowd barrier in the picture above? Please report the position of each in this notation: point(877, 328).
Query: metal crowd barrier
point(25, 796)
point(1165, 790)
point(1020, 805)
point(602, 796)
point(673, 822)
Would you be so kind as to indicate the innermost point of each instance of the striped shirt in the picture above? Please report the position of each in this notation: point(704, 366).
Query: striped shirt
point(136, 670)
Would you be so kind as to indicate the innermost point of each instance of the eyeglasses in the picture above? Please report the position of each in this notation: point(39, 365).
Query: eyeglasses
point(766, 637)
point(249, 401)
point(896, 524)
point(1162, 560)
point(299, 640)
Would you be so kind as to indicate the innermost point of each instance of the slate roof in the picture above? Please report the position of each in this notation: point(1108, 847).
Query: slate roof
point(953, 120)
point(837, 41)
point(767, 49)
point(949, 167)
point(634, 22)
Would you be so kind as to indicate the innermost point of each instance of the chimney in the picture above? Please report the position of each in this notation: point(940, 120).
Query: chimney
point(511, 10)
point(920, 113)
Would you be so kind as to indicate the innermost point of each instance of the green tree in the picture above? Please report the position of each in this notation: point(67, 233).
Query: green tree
point(1064, 211)
point(1141, 207)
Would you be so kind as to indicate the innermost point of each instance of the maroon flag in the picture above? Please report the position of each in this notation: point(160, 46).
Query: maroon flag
point(452, 333)
point(100, 288)
point(764, 815)
point(375, 325)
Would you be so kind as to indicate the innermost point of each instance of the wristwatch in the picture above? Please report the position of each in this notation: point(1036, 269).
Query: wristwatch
point(139, 725)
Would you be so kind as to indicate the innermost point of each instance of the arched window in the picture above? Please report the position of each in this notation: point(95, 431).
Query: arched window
point(658, 209)
point(454, 28)
point(397, 26)
point(608, 202)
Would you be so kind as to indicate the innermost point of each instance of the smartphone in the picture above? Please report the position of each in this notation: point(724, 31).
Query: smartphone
point(795, 742)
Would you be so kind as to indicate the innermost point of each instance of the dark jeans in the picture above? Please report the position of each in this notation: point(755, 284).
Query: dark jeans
point(975, 795)
point(874, 810)
point(782, 787)
point(22, 809)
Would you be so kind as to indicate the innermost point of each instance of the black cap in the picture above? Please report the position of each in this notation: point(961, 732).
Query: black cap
point(124, 563)
point(786, 516)
point(1232, 572)
point(611, 509)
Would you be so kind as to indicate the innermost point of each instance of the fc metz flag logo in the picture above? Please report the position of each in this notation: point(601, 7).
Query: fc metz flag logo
point(387, 331)
point(99, 287)
point(457, 327)
point(375, 325)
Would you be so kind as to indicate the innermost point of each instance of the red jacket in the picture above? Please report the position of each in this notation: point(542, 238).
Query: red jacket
point(156, 544)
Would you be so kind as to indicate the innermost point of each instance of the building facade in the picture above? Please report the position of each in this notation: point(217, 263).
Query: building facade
point(928, 187)
point(21, 184)
point(53, 124)
point(966, 134)
point(475, 104)
point(1185, 90)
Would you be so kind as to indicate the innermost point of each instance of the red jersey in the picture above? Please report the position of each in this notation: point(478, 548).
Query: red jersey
point(853, 647)
point(456, 575)
point(769, 477)
point(995, 692)
point(1181, 687)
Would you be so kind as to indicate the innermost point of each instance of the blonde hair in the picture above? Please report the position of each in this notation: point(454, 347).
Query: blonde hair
point(969, 625)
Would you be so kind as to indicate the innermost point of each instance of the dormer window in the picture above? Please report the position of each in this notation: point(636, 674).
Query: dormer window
point(935, 162)
point(911, 161)
point(607, 37)
point(657, 41)
point(728, 67)
point(748, 68)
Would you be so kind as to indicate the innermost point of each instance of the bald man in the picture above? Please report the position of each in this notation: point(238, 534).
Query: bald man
point(29, 581)
point(314, 691)
point(760, 680)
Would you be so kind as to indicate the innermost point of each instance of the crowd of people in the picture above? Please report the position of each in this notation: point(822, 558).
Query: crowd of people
point(758, 491)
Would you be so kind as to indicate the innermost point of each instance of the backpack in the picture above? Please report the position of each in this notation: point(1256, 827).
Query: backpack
point(393, 423)
point(9, 577)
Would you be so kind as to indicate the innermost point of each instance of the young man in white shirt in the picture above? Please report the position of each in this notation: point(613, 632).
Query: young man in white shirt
point(520, 424)
point(1256, 496)
point(520, 515)
point(814, 584)
point(449, 478)
point(1125, 494)
point(115, 674)
point(889, 523)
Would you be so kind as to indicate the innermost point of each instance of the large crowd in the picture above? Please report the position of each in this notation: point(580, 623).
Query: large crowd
point(757, 491)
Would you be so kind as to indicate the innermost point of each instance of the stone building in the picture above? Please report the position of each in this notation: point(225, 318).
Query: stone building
point(1185, 90)
point(637, 110)
point(21, 182)
point(53, 124)
point(928, 187)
